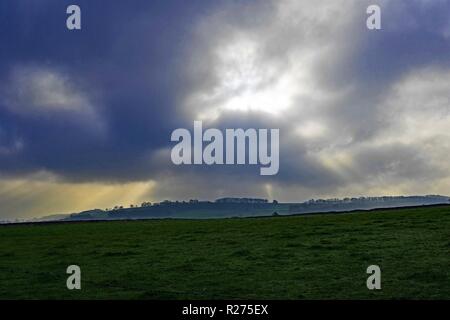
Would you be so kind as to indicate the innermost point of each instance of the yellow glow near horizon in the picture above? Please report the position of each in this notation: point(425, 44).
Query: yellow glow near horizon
point(25, 198)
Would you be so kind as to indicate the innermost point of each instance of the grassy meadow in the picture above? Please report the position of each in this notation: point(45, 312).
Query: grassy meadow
point(298, 257)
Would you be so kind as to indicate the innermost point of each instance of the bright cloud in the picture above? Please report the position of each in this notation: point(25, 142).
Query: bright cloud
point(41, 91)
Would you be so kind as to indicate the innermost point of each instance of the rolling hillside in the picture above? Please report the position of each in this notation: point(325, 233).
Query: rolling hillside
point(297, 257)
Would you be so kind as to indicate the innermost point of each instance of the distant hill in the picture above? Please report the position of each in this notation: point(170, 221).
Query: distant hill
point(52, 217)
point(366, 203)
point(250, 207)
point(198, 210)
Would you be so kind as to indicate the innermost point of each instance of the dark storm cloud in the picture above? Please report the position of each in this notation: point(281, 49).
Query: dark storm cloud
point(126, 61)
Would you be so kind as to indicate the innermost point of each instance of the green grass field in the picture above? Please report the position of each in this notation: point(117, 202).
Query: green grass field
point(309, 257)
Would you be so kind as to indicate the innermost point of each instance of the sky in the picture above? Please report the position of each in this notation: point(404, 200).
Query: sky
point(86, 115)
